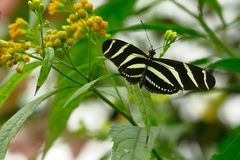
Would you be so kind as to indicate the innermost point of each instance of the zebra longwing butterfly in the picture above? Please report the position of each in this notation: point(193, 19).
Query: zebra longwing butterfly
point(157, 75)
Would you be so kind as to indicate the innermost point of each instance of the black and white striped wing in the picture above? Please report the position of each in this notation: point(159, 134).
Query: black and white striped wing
point(130, 60)
point(168, 76)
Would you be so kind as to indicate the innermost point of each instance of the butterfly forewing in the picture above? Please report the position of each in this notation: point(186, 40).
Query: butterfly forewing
point(130, 60)
point(157, 75)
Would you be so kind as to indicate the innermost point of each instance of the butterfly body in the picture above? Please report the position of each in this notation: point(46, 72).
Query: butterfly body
point(157, 75)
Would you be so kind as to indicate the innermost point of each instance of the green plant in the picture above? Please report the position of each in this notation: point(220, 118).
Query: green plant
point(74, 52)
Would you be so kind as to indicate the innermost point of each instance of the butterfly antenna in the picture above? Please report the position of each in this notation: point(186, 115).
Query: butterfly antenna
point(164, 45)
point(151, 46)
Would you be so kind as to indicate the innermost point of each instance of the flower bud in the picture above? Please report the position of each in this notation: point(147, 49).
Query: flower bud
point(102, 32)
point(57, 42)
point(16, 56)
point(173, 37)
point(170, 36)
point(4, 58)
point(10, 50)
point(46, 23)
point(98, 19)
point(26, 58)
point(77, 34)
point(41, 7)
point(9, 63)
point(26, 46)
point(52, 37)
point(82, 13)
point(70, 41)
point(30, 5)
point(104, 24)
point(49, 44)
point(72, 17)
point(20, 66)
point(90, 23)
point(77, 6)
point(84, 1)
point(167, 34)
point(62, 35)
point(36, 2)
point(89, 7)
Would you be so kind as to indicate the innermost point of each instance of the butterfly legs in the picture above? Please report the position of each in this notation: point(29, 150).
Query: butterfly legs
point(142, 80)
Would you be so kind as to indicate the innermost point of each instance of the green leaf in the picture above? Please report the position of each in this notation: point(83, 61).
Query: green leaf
point(86, 87)
point(81, 59)
point(114, 12)
point(201, 5)
point(231, 151)
point(46, 67)
point(59, 116)
point(143, 100)
point(217, 8)
point(129, 142)
point(201, 61)
point(145, 9)
point(14, 124)
point(8, 87)
point(229, 64)
point(171, 135)
point(161, 27)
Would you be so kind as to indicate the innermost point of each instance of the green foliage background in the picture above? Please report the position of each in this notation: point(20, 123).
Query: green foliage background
point(162, 129)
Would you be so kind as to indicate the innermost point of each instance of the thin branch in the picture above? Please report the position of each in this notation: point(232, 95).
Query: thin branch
point(66, 76)
point(185, 9)
point(214, 38)
point(129, 118)
point(211, 34)
point(73, 66)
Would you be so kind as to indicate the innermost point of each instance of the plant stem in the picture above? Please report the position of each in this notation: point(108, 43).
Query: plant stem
point(89, 57)
point(35, 57)
point(214, 37)
point(66, 76)
point(39, 14)
point(129, 118)
point(211, 34)
point(73, 66)
point(155, 154)
point(94, 90)
point(185, 9)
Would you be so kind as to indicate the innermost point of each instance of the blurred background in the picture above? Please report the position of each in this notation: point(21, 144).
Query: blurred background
point(199, 123)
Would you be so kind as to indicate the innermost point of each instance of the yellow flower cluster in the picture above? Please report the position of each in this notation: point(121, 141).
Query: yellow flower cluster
point(55, 6)
point(55, 38)
point(12, 53)
point(36, 5)
point(18, 29)
point(80, 21)
point(97, 24)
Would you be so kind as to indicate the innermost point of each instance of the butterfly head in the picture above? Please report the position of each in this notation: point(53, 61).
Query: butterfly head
point(151, 52)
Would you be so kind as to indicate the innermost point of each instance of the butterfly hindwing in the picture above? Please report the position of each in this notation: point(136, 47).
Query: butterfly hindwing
point(187, 76)
point(159, 79)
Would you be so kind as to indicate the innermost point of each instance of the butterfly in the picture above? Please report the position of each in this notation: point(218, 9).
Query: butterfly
point(157, 75)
